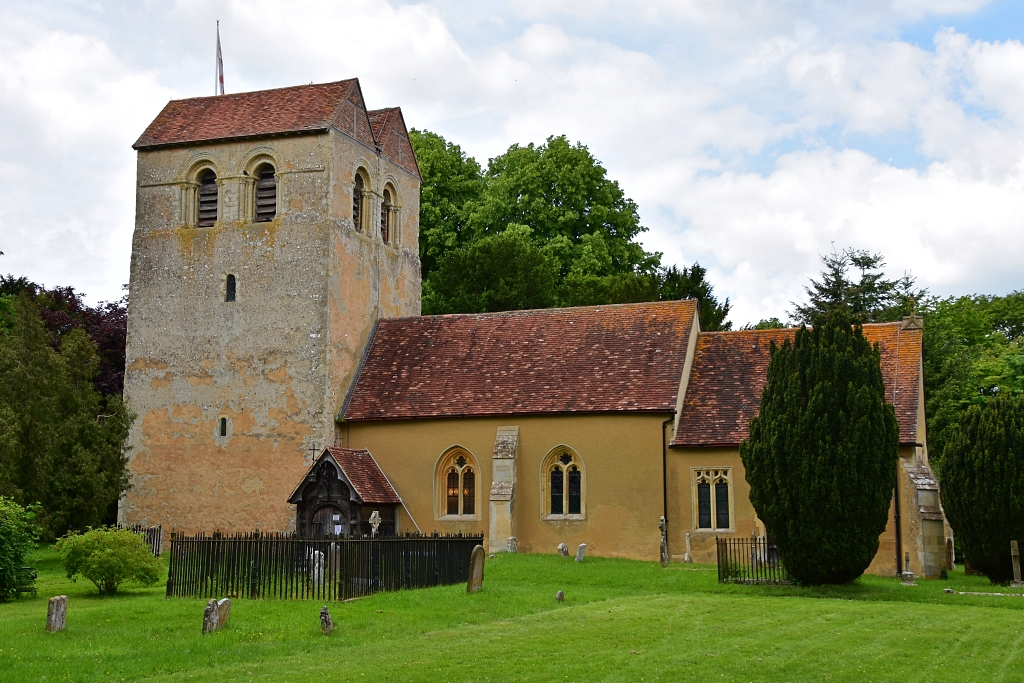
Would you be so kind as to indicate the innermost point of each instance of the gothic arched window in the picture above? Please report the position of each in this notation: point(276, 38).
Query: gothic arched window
point(712, 497)
point(266, 193)
point(207, 205)
point(457, 484)
point(563, 484)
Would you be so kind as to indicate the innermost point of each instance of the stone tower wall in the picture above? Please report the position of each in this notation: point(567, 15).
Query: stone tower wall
point(276, 362)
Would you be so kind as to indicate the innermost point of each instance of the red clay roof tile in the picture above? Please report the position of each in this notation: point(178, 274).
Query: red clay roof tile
point(571, 360)
point(729, 371)
point(297, 109)
point(362, 472)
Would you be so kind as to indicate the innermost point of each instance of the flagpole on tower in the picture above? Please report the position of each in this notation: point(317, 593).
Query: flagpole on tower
point(218, 88)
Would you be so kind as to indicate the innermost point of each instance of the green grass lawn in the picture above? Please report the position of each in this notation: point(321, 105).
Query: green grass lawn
point(621, 621)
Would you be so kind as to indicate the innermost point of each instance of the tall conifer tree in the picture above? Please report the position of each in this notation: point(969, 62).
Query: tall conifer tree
point(983, 483)
point(822, 452)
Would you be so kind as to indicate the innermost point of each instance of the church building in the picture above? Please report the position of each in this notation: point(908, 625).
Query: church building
point(284, 379)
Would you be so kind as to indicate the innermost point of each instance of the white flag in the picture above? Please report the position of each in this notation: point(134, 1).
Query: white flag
point(218, 88)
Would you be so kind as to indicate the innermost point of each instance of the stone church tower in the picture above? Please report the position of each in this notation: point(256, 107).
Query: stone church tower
point(272, 230)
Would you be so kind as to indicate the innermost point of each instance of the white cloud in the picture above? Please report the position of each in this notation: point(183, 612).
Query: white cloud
point(728, 122)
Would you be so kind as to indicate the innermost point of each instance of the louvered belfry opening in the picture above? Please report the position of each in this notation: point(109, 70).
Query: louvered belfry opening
point(266, 194)
point(207, 200)
point(385, 217)
point(357, 203)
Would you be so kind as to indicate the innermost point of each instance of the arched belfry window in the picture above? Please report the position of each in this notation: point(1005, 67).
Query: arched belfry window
point(358, 199)
point(386, 208)
point(207, 209)
point(457, 475)
point(266, 193)
point(563, 484)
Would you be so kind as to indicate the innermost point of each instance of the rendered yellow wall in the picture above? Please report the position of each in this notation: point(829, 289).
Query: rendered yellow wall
point(621, 456)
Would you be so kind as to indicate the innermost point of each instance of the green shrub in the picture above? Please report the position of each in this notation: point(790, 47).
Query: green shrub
point(983, 484)
point(822, 453)
point(108, 558)
point(17, 539)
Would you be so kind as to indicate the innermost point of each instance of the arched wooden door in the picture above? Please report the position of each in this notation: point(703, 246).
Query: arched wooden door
point(330, 520)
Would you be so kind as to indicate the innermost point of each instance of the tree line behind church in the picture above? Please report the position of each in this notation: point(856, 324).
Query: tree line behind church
point(541, 226)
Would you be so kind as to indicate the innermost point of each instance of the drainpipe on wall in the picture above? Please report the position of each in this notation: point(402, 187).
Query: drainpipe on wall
point(664, 490)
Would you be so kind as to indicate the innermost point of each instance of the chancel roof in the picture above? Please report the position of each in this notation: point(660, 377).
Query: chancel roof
point(730, 368)
point(361, 470)
point(615, 358)
point(282, 111)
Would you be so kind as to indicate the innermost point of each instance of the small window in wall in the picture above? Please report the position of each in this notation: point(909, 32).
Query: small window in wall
point(562, 483)
point(229, 293)
point(207, 200)
point(712, 496)
point(385, 217)
point(358, 192)
point(266, 194)
point(458, 478)
point(223, 426)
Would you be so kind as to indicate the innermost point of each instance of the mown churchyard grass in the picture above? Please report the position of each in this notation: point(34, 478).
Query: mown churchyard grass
point(621, 621)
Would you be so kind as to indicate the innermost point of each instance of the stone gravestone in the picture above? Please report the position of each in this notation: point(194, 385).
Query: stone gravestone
point(476, 570)
point(211, 618)
point(1015, 556)
point(223, 612)
point(326, 625)
point(563, 550)
point(580, 551)
point(513, 544)
point(56, 613)
point(560, 596)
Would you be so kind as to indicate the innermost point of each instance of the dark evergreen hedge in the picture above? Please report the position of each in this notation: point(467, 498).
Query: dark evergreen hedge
point(822, 453)
point(983, 484)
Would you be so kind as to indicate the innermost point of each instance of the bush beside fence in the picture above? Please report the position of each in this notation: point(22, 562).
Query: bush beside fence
point(749, 560)
point(286, 567)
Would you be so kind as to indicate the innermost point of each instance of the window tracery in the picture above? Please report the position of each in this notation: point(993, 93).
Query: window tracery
point(563, 485)
point(458, 484)
point(712, 496)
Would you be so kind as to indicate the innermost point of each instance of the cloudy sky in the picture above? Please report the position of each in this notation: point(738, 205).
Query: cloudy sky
point(754, 135)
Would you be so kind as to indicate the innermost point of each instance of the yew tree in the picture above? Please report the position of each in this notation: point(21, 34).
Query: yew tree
point(983, 483)
point(822, 452)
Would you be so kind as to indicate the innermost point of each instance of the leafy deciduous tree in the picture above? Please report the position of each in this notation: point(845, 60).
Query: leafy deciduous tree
point(109, 558)
point(822, 452)
point(17, 538)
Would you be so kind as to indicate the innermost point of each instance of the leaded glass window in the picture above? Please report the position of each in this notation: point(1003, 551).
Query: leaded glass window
point(557, 490)
point(703, 505)
point(458, 477)
point(453, 492)
point(712, 498)
point(468, 492)
point(575, 492)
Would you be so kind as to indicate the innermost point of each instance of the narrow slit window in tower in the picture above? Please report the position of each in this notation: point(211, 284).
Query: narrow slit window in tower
point(229, 293)
point(223, 426)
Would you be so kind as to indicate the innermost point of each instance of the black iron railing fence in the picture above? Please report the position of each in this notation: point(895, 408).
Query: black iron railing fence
point(284, 566)
point(153, 536)
point(749, 560)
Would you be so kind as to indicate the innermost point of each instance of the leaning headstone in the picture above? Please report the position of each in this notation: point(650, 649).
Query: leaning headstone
point(560, 596)
point(563, 550)
point(1015, 556)
point(326, 625)
point(223, 612)
point(211, 618)
point(56, 613)
point(513, 544)
point(476, 570)
point(580, 551)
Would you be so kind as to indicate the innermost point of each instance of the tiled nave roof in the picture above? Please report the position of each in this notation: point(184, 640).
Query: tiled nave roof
point(625, 357)
point(729, 371)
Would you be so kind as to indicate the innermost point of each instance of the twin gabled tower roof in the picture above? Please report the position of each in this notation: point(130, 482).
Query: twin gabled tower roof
point(296, 110)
